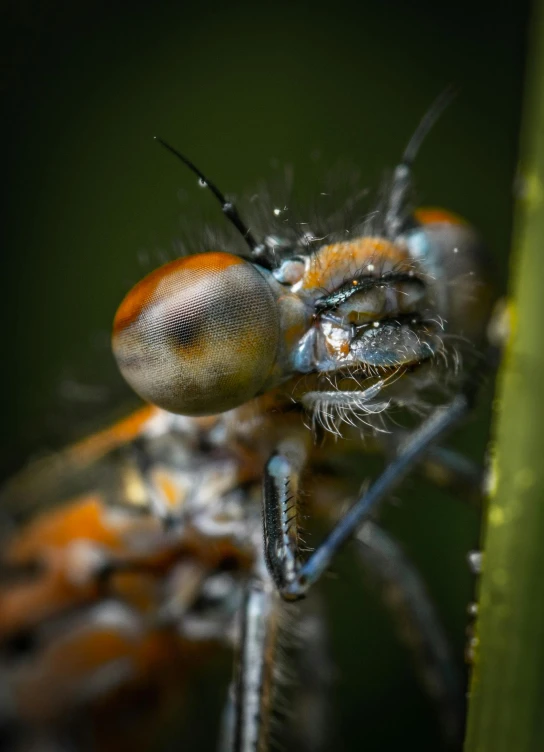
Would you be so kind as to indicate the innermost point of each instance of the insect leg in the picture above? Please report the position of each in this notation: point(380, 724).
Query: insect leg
point(444, 467)
point(283, 673)
point(433, 429)
point(280, 533)
point(406, 596)
point(248, 718)
point(328, 407)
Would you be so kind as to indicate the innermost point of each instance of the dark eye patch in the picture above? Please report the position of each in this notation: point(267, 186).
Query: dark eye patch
point(363, 284)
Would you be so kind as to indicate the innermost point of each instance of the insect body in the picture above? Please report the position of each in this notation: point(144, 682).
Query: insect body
point(248, 359)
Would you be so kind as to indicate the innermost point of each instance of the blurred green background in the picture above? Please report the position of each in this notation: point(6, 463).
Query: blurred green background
point(92, 204)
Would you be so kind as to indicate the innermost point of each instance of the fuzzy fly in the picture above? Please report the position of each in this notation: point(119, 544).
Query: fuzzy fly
point(183, 528)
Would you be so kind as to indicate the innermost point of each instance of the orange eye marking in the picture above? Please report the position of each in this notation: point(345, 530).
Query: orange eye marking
point(430, 215)
point(336, 261)
point(133, 303)
point(140, 295)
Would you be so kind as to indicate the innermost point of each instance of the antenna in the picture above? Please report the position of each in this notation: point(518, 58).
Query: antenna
point(228, 208)
point(427, 123)
point(402, 177)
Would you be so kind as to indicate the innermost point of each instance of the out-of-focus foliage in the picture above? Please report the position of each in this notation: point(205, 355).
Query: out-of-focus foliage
point(506, 693)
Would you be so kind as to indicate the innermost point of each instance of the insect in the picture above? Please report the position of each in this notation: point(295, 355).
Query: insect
point(182, 526)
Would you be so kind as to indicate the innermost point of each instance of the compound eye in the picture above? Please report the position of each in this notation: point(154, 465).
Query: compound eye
point(199, 335)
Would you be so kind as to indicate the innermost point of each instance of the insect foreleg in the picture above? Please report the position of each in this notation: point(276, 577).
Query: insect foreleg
point(347, 400)
point(280, 500)
point(433, 429)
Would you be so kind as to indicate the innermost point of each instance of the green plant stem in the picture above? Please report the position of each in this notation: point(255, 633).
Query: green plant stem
point(506, 708)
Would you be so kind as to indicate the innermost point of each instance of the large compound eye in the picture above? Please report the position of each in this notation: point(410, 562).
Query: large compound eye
point(199, 335)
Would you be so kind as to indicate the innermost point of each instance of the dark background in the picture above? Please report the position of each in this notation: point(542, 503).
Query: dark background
point(92, 203)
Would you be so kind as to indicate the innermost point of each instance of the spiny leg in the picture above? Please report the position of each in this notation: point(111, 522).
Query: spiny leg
point(281, 547)
point(348, 400)
point(406, 596)
point(283, 676)
point(280, 499)
point(280, 532)
point(442, 466)
point(249, 715)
